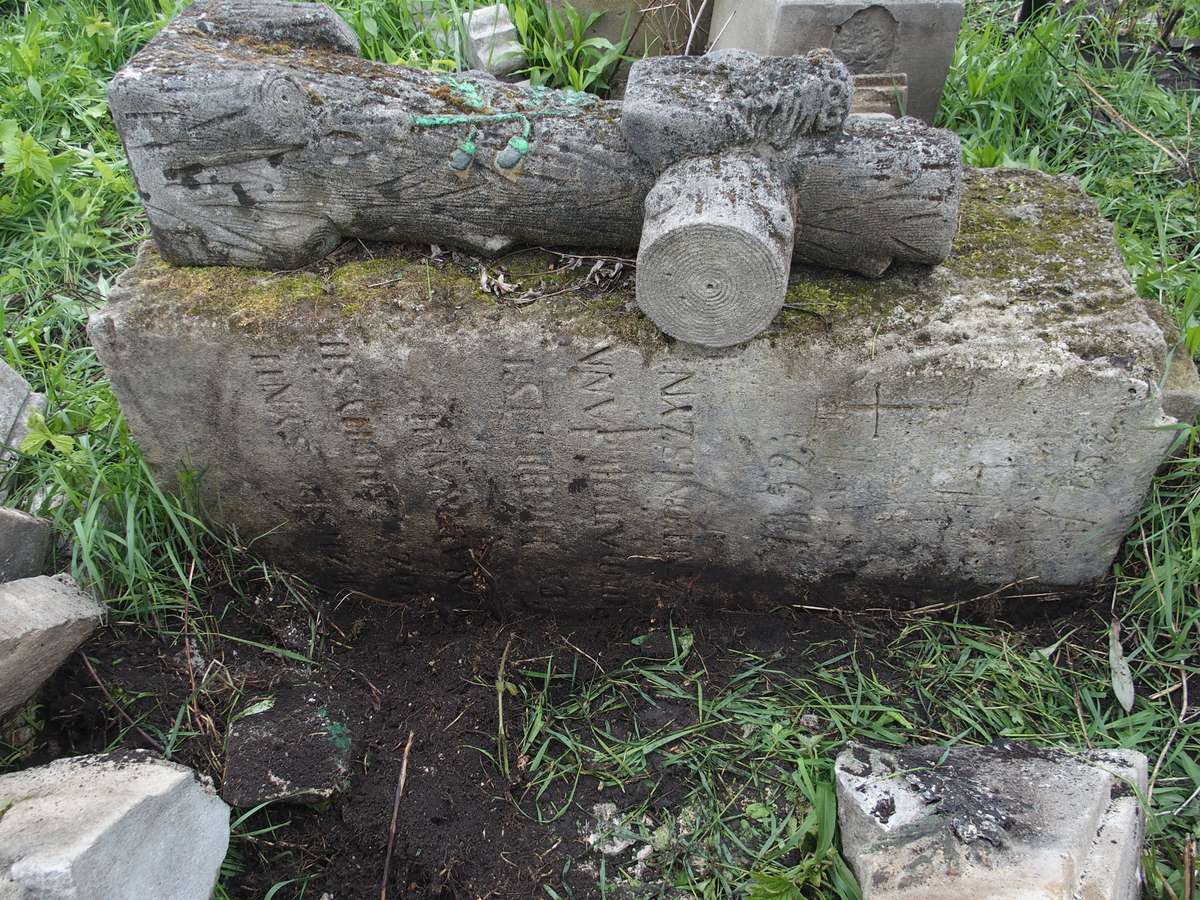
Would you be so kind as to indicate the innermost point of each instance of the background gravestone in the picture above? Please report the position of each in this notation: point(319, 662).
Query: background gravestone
point(913, 37)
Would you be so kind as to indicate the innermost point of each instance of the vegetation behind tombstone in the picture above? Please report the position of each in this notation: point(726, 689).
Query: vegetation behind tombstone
point(1073, 92)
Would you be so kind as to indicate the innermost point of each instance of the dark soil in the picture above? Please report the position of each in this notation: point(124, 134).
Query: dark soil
point(422, 667)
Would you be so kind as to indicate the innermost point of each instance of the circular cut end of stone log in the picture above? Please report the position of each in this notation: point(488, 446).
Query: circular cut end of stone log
point(710, 284)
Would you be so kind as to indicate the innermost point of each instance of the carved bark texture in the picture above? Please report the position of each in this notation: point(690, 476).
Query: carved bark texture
point(716, 249)
point(253, 146)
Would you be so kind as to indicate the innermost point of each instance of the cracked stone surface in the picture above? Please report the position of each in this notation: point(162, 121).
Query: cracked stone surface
point(1008, 821)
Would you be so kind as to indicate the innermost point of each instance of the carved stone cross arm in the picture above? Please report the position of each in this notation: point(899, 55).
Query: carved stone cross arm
point(258, 137)
point(726, 134)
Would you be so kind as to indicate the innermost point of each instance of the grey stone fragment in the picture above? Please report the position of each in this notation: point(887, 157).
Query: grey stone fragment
point(297, 750)
point(122, 826)
point(679, 107)
point(391, 428)
point(42, 621)
point(915, 37)
point(1007, 821)
point(24, 543)
point(492, 43)
point(17, 403)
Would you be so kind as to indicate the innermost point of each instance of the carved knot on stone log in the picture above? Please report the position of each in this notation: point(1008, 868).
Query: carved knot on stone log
point(723, 132)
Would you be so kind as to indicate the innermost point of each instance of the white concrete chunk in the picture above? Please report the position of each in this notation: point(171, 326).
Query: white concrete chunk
point(42, 621)
point(1005, 822)
point(491, 41)
point(24, 542)
point(113, 827)
point(915, 37)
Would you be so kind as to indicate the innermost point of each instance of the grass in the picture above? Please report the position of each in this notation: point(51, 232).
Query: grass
point(755, 821)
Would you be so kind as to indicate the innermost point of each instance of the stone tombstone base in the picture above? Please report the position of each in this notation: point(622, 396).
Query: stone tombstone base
point(386, 425)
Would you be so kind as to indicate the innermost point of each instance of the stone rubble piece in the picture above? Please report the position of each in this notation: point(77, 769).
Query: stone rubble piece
point(492, 42)
point(293, 746)
point(42, 622)
point(24, 543)
point(121, 826)
point(1006, 822)
point(915, 37)
point(17, 403)
point(392, 428)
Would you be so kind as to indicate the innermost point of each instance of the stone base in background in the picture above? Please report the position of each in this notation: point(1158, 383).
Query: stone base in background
point(24, 543)
point(387, 426)
point(122, 826)
point(1006, 822)
point(913, 37)
point(42, 621)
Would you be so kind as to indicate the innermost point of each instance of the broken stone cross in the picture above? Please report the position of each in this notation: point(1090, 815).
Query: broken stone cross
point(725, 134)
point(258, 137)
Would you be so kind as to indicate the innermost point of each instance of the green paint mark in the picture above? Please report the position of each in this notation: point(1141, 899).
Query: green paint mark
point(338, 733)
point(546, 103)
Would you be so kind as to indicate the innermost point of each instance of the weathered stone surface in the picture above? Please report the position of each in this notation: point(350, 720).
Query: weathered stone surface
point(260, 154)
point(1007, 822)
point(119, 827)
point(681, 107)
point(297, 749)
point(915, 37)
point(491, 40)
point(24, 543)
point(17, 403)
point(992, 419)
point(42, 621)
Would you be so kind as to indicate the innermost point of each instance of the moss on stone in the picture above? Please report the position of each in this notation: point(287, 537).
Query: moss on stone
point(1022, 235)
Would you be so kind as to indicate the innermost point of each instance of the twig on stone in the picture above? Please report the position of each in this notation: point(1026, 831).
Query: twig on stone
point(391, 845)
point(87, 663)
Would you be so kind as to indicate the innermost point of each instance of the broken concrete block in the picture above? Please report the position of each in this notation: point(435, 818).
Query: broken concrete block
point(1006, 822)
point(915, 37)
point(292, 746)
point(42, 621)
point(394, 428)
point(492, 42)
point(122, 826)
point(24, 543)
point(17, 403)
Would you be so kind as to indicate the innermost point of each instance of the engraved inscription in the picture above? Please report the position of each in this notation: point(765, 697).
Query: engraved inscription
point(789, 480)
point(675, 480)
point(285, 408)
point(337, 364)
point(524, 405)
point(606, 440)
